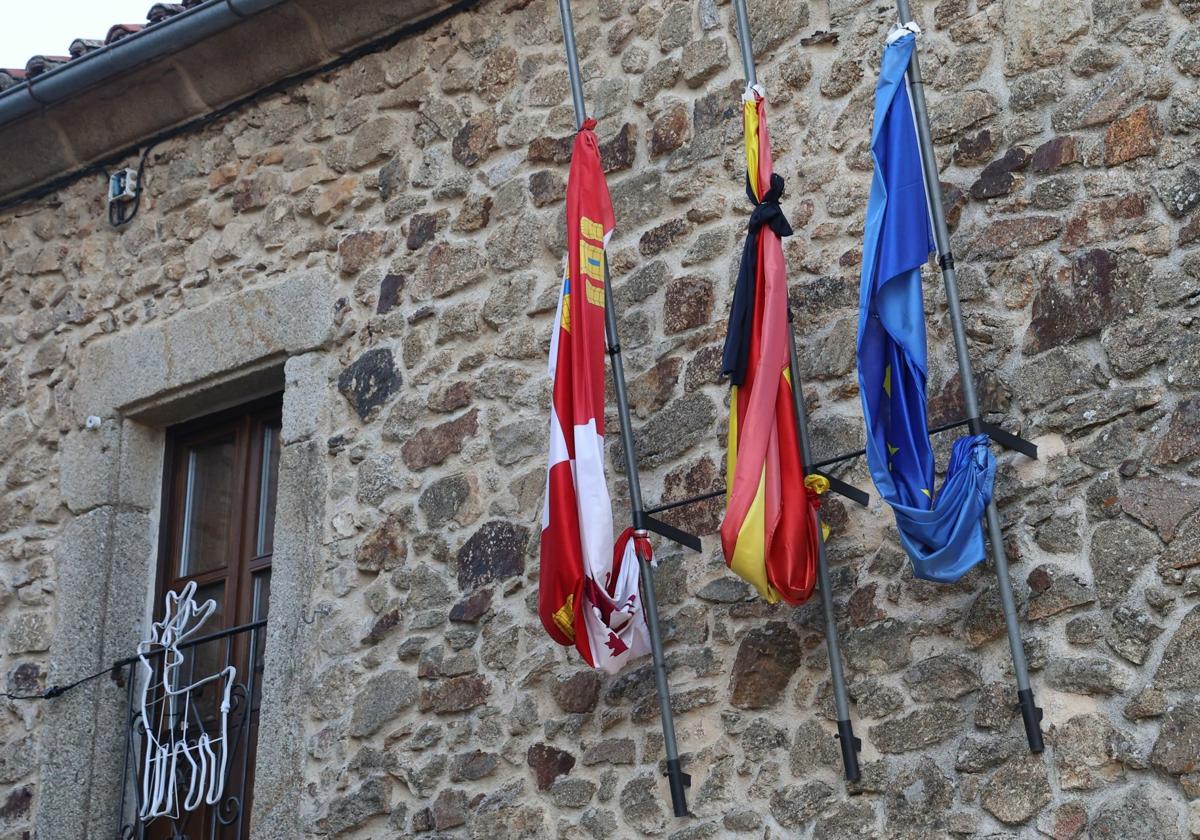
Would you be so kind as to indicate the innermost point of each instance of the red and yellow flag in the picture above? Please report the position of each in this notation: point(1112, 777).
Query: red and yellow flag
point(588, 591)
point(769, 534)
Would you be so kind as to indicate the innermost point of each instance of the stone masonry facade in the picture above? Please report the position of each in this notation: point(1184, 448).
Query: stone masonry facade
point(413, 201)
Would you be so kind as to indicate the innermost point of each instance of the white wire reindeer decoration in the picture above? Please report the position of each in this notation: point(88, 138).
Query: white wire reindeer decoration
point(170, 746)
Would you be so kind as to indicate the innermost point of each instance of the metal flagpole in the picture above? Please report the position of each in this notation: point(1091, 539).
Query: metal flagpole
point(849, 743)
point(1030, 713)
point(676, 778)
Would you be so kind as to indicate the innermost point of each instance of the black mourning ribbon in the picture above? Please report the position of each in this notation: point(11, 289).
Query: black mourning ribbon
point(741, 315)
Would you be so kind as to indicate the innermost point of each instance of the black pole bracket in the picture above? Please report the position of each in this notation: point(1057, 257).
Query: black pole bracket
point(843, 489)
point(672, 533)
point(835, 484)
point(1031, 715)
point(1009, 441)
point(1006, 439)
point(690, 500)
point(677, 780)
point(851, 746)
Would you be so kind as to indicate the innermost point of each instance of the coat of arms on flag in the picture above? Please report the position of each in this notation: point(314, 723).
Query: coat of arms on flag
point(588, 592)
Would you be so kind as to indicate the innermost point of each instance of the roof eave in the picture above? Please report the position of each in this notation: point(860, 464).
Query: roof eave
point(171, 73)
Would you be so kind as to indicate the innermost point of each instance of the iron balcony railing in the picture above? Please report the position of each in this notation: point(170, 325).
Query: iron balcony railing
point(174, 728)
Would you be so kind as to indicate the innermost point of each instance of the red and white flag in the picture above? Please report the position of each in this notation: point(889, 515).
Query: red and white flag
point(588, 591)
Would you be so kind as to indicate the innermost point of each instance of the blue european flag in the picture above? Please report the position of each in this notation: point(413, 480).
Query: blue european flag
point(942, 535)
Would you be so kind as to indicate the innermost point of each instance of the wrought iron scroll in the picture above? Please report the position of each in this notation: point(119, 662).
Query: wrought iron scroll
point(217, 817)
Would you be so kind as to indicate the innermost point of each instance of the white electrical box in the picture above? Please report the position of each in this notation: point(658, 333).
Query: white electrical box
point(123, 186)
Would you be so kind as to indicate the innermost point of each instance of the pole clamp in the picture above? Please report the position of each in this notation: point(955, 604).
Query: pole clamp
point(851, 746)
point(752, 91)
point(673, 768)
point(677, 781)
point(902, 29)
point(946, 261)
point(1031, 716)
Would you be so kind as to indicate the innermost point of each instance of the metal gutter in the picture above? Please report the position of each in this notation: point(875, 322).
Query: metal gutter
point(153, 42)
point(40, 176)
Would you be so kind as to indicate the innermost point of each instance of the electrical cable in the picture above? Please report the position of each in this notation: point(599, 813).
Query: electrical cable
point(58, 690)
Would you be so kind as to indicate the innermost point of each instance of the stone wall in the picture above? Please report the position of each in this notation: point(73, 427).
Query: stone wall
point(425, 186)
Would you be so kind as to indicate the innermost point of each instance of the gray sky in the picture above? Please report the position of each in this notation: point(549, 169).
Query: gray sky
point(47, 27)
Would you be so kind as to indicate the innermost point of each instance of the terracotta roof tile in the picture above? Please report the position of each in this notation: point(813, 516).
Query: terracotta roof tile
point(10, 76)
point(39, 64)
point(161, 11)
point(83, 46)
point(121, 30)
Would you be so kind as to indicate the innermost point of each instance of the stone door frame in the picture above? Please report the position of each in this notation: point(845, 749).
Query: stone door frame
point(138, 382)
